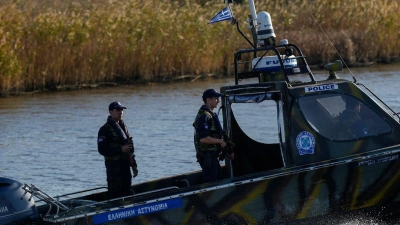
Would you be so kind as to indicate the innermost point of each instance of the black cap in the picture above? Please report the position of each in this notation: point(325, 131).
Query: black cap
point(209, 93)
point(115, 105)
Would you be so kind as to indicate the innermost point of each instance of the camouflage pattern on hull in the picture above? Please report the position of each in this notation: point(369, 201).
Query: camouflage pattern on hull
point(364, 185)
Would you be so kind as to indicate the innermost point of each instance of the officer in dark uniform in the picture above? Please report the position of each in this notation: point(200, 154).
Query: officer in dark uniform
point(115, 144)
point(208, 137)
point(349, 124)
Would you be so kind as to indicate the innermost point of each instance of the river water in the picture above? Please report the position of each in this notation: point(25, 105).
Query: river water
point(49, 139)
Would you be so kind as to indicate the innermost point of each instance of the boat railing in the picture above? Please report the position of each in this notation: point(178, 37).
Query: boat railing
point(57, 197)
point(157, 191)
point(143, 193)
point(133, 196)
point(293, 51)
point(249, 89)
point(51, 201)
point(79, 192)
point(35, 191)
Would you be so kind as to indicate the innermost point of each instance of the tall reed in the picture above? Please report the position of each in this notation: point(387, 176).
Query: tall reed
point(48, 45)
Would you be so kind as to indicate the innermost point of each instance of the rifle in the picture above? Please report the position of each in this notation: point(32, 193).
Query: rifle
point(229, 144)
point(228, 148)
point(132, 158)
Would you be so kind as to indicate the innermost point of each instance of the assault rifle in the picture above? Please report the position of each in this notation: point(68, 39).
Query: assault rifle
point(228, 148)
point(132, 157)
point(229, 144)
point(129, 141)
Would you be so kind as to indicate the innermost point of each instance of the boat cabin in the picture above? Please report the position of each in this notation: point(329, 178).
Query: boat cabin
point(317, 120)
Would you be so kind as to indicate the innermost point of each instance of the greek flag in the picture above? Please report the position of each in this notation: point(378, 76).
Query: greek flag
point(224, 14)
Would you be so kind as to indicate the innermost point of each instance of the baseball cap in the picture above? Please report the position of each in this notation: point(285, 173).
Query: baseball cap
point(115, 105)
point(209, 93)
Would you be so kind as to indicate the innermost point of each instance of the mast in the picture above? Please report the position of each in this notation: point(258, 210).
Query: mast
point(253, 21)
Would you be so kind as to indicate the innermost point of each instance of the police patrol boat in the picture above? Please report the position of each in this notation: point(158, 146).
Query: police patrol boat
point(323, 165)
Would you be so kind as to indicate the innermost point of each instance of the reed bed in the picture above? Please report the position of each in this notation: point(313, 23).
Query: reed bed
point(53, 45)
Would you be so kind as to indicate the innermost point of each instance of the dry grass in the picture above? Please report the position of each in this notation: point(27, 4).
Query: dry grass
point(48, 44)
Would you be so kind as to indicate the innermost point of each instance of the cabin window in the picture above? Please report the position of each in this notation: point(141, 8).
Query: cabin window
point(342, 117)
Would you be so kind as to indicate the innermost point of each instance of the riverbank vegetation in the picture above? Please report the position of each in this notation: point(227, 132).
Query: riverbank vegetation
point(53, 45)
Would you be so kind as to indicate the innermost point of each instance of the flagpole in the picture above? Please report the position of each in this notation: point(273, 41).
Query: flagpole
point(230, 10)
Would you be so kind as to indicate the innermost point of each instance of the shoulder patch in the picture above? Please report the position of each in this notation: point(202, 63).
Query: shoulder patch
point(100, 139)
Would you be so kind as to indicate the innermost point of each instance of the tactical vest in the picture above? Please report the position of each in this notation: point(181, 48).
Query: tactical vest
point(117, 141)
point(212, 132)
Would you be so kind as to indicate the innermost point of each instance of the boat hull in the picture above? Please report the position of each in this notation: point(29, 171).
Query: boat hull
point(366, 186)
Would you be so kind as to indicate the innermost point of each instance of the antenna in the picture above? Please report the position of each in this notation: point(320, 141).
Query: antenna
point(334, 48)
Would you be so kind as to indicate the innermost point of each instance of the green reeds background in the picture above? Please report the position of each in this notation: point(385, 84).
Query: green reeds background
point(56, 44)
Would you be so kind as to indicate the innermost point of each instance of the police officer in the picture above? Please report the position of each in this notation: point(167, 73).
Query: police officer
point(115, 144)
point(208, 137)
point(349, 123)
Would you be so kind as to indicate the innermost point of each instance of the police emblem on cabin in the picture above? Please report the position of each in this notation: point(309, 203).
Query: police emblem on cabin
point(305, 142)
